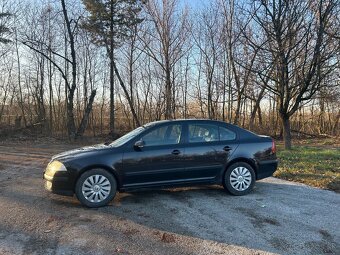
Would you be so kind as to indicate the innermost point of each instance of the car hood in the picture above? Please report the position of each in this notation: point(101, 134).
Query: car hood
point(79, 152)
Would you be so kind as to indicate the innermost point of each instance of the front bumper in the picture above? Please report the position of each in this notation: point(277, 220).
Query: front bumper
point(60, 185)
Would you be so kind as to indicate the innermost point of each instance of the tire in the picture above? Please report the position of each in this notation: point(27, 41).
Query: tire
point(239, 179)
point(96, 188)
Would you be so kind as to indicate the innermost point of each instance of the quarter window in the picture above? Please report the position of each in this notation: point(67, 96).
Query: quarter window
point(226, 134)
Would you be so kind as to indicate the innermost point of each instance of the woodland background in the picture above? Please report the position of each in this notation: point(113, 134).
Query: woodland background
point(95, 67)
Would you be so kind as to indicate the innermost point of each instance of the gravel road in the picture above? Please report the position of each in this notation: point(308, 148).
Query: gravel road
point(277, 217)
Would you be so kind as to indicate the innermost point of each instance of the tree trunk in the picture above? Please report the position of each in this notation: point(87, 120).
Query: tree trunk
point(50, 97)
point(19, 81)
point(112, 104)
point(70, 115)
point(71, 127)
point(131, 76)
point(238, 109)
point(259, 113)
point(41, 106)
point(168, 93)
point(85, 119)
point(132, 108)
point(336, 124)
point(252, 120)
point(286, 132)
point(256, 109)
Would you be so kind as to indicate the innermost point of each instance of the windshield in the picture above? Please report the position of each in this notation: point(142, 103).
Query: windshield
point(127, 137)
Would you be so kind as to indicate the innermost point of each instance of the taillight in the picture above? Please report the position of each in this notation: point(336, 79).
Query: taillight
point(273, 147)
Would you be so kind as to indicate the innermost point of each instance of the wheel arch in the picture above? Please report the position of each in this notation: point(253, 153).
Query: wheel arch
point(99, 166)
point(250, 162)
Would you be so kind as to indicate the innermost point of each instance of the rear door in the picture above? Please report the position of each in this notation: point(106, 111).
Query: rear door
point(207, 150)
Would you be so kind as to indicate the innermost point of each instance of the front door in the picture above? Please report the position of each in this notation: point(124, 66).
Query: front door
point(158, 160)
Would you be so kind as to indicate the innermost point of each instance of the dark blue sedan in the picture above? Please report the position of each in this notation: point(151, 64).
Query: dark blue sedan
point(164, 154)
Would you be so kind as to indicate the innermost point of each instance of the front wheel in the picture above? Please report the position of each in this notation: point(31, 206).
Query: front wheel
point(239, 179)
point(96, 188)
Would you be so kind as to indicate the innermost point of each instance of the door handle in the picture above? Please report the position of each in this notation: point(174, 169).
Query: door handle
point(227, 148)
point(175, 152)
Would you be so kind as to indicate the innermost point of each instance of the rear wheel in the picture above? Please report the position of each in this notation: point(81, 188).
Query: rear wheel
point(239, 179)
point(96, 188)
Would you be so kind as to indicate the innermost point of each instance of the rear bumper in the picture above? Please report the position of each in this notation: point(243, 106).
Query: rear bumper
point(60, 185)
point(266, 168)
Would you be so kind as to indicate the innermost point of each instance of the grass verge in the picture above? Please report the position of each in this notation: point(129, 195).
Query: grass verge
point(314, 164)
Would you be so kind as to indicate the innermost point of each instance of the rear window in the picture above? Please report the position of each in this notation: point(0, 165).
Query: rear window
point(209, 133)
point(203, 133)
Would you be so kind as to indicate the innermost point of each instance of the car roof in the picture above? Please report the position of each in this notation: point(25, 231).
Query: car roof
point(183, 120)
point(241, 131)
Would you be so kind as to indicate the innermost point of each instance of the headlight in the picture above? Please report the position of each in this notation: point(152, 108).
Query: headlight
point(53, 167)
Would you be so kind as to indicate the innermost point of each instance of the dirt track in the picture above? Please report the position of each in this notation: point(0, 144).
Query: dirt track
point(278, 217)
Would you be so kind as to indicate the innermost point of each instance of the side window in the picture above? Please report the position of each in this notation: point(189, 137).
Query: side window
point(174, 134)
point(165, 135)
point(203, 133)
point(226, 134)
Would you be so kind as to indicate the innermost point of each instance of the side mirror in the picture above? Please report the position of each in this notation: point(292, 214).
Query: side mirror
point(139, 144)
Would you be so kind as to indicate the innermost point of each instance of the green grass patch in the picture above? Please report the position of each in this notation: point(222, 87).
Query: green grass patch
point(315, 165)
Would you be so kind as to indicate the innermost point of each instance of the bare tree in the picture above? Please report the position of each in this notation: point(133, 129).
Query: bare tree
point(4, 30)
point(110, 23)
point(296, 45)
point(71, 84)
point(207, 36)
point(270, 66)
point(166, 42)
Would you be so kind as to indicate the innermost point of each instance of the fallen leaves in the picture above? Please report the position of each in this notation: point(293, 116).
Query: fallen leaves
point(168, 238)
